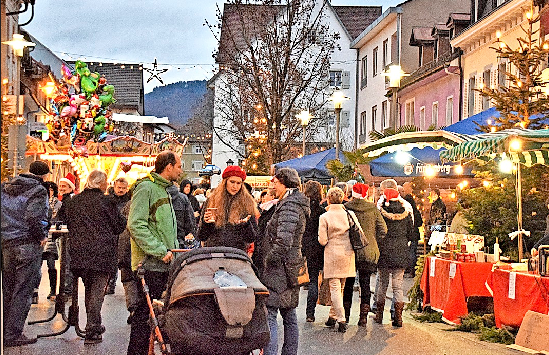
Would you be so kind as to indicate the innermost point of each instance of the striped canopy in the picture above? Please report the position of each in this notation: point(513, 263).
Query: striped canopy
point(534, 146)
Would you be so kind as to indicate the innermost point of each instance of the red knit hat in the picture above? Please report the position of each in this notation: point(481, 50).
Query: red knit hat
point(360, 190)
point(390, 193)
point(69, 179)
point(234, 170)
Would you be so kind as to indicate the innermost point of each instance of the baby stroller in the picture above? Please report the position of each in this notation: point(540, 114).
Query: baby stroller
point(214, 304)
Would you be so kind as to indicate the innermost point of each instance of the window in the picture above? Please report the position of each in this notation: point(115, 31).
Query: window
point(363, 122)
point(449, 110)
point(182, 165)
point(197, 149)
point(374, 61)
point(374, 116)
point(422, 122)
point(197, 165)
point(384, 116)
point(335, 78)
point(471, 96)
point(385, 53)
point(434, 114)
point(394, 48)
point(364, 72)
point(409, 112)
point(502, 75)
point(486, 82)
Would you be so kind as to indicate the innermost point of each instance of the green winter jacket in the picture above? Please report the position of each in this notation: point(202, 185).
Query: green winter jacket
point(152, 223)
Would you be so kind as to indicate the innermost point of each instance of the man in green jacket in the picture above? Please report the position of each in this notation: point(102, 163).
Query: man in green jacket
point(153, 229)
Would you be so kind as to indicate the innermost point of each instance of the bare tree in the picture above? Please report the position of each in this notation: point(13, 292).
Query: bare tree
point(274, 57)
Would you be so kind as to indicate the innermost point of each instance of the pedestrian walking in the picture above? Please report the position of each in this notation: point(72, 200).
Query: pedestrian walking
point(120, 195)
point(393, 258)
point(153, 228)
point(283, 260)
point(311, 248)
point(374, 228)
point(24, 234)
point(94, 223)
point(339, 256)
point(229, 216)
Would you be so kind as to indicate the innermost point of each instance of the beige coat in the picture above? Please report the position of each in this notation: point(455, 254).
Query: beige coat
point(333, 233)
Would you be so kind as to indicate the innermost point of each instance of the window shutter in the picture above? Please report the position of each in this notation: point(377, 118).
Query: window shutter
point(344, 119)
point(478, 96)
point(493, 82)
point(465, 98)
point(345, 79)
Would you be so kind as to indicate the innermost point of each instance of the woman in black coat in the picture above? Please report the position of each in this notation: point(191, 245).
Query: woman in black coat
point(393, 252)
point(311, 248)
point(94, 223)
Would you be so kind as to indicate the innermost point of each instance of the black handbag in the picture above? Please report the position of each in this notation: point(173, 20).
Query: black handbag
point(356, 235)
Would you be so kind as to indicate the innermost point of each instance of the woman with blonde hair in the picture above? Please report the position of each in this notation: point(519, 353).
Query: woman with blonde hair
point(229, 215)
point(339, 256)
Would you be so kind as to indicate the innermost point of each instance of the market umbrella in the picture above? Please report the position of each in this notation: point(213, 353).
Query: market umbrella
point(313, 166)
point(416, 162)
point(522, 146)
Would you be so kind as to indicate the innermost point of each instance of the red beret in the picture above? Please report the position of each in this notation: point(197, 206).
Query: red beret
point(234, 170)
point(390, 194)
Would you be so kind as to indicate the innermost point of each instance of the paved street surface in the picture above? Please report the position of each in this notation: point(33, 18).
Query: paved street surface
point(315, 338)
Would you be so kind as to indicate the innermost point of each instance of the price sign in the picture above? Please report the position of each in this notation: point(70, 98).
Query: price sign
point(432, 267)
point(452, 272)
point(512, 283)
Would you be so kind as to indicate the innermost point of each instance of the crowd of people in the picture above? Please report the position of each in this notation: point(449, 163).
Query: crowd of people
point(125, 228)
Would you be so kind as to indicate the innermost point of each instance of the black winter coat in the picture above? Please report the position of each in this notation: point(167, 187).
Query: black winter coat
point(311, 248)
point(418, 220)
point(94, 223)
point(261, 246)
point(283, 260)
point(393, 249)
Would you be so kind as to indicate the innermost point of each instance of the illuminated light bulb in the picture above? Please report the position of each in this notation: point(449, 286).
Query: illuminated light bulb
point(481, 86)
point(519, 84)
point(465, 183)
point(459, 169)
point(430, 171)
point(401, 157)
point(256, 154)
point(254, 166)
point(486, 183)
point(492, 129)
point(453, 195)
point(4, 81)
point(502, 45)
point(489, 121)
point(545, 46)
point(498, 35)
point(515, 144)
point(529, 15)
point(506, 166)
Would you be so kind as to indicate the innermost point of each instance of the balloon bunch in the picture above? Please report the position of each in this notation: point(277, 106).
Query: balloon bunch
point(80, 106)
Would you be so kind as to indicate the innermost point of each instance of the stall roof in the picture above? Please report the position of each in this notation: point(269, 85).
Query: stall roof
point(120, 117)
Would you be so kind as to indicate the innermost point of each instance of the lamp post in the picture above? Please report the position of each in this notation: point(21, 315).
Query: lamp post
point(18, 43)
point(304, 116)
point(229, 162)
point(395, 73)
point(337, 98)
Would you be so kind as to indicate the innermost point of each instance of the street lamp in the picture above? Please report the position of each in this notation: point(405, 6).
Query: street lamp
point(337, 98)
point(229, 162)
point(395, 73)
point(18, 43)
point(304, 116)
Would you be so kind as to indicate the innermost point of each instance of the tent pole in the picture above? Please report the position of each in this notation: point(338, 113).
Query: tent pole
point(519, 215)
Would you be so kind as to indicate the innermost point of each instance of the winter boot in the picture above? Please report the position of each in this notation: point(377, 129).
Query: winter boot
point(347, 307)
point(342, 327)
point(379, 311)
point(53, 284)
point(331, 322)
point(399, 307)
point(363, 320)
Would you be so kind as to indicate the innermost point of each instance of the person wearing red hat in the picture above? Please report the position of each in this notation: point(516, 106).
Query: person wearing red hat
point(375, 229)
point(228, 215)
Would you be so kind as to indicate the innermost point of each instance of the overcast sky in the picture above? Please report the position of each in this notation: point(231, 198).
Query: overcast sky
point(137, 31)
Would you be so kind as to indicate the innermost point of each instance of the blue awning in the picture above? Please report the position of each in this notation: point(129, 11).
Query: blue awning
point(313, 166)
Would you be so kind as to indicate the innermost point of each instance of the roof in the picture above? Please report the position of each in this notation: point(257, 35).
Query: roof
point(356, 18)
point(421, 35)
point(120, 117)
point(127, 80)
point(459, 17)
point(375, 27)
point(44, 55)
point(440, 29)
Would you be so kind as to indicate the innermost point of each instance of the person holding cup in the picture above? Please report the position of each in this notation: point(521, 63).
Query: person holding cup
point(228, 216)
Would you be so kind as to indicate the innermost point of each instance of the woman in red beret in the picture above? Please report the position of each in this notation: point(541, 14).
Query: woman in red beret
point(228, 215)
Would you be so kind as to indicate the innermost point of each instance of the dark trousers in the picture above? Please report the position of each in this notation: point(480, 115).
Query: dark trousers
point(131, 288)
point(364, 282)
point(312, 292)
point(140, 328)
point(94, 294)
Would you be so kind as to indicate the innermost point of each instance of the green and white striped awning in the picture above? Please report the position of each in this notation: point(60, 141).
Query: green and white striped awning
point(534, 146)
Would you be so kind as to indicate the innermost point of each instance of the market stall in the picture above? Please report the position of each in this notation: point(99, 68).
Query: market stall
point(515, 293)
point(446, 285)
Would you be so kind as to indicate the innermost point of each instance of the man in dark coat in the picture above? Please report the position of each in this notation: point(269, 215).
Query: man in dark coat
point(437, 213)
point(283, 260)
point(418, 222)
point(94, 223)
point(24, 233)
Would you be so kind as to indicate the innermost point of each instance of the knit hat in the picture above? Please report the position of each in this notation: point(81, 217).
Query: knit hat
point(234, 170)
point(39, 168)
point(69, 179)
point(360, 190)
point(390, 194)
point(288, 177)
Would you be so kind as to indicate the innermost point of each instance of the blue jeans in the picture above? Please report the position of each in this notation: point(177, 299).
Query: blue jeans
point(291, 331)
point(21, 272)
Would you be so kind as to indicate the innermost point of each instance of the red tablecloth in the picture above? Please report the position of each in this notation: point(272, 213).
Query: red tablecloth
point(449, 294)
point(531, 293)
